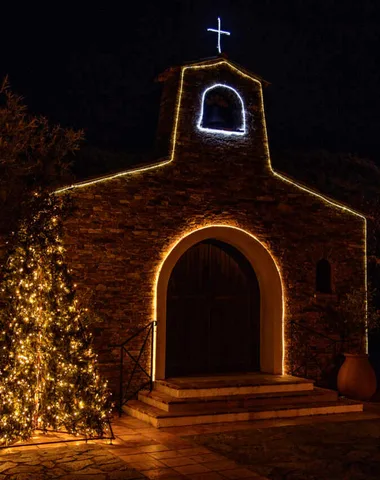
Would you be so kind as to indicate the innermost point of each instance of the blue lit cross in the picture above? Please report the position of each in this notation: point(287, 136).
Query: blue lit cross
point(218, 31)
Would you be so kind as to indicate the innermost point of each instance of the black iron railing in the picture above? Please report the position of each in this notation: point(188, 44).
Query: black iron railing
point(311, 360)
point(129, 383)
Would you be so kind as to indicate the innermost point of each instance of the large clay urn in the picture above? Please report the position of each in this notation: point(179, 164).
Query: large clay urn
point(356, 377)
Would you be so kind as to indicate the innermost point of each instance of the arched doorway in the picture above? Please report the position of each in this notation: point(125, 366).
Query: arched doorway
point(213, 312)
point(271, 293)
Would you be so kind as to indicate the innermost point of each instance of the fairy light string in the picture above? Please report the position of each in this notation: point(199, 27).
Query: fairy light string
point(48, 370)
point(216, 64)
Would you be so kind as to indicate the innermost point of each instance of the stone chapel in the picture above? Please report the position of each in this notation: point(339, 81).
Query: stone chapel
point(224, 254)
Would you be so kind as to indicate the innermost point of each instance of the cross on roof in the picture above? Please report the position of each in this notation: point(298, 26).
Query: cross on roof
point(218, 31)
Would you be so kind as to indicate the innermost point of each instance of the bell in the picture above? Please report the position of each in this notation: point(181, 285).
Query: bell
point(216, 117)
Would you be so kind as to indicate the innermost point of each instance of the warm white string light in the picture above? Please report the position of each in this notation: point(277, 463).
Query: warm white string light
point(215, 64)
point(174, 244)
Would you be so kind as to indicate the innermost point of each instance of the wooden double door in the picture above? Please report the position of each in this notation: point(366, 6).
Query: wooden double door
point(213, 312)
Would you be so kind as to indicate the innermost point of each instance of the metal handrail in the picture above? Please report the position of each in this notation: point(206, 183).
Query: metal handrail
point(124, 393)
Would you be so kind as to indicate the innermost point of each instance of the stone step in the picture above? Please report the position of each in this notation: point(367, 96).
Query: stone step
point(244, 384)
point(168, 403)
point(159, 418)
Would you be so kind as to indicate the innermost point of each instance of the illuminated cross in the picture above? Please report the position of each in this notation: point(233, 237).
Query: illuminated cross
point(219, 31)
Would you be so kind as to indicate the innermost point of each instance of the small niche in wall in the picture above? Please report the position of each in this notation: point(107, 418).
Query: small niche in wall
point(323, 276)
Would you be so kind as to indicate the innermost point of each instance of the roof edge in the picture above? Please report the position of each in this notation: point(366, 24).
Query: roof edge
point(210, 61)
point(166, 160)
point(140, 167)
point(287, 178)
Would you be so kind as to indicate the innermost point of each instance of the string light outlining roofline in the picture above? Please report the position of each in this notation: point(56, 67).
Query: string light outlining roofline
point(137, 170)
point(217, 63)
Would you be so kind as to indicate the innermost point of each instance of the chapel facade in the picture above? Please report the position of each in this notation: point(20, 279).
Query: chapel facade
point(237, 263)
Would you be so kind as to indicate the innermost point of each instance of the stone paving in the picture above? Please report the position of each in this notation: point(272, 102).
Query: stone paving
point(348, 450)
point(141, 451)
point(90, 462)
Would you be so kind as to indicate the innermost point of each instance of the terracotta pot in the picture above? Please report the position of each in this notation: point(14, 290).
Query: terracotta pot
point(356, 377)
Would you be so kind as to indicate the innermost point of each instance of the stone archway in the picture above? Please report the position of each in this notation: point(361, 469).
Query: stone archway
point(271, 293)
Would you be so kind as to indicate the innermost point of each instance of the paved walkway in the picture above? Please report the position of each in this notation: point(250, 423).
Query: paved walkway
point(138, 451)
point(88, 462)
point(142, 451)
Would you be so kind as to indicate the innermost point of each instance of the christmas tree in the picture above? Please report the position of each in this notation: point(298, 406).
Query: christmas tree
point(48, 369)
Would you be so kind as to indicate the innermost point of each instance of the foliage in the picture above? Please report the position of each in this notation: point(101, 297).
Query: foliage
point(33, 154)
point(48, 369)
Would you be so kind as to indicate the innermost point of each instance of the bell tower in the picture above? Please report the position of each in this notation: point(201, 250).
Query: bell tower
point(214, 107)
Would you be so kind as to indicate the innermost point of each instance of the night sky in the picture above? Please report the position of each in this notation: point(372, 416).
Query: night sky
point(96, 69)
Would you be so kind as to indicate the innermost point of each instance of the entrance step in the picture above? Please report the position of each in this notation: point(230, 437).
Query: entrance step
point(169, 403)
point(231, 398)
point(223, 385)
point(159, 418)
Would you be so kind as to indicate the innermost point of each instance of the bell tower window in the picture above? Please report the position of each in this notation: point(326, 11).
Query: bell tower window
point(222, 111)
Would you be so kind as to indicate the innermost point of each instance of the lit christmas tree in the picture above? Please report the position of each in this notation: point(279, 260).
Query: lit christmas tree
point(48, 369)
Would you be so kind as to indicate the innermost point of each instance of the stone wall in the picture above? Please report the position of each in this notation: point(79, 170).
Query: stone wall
point(122, 228)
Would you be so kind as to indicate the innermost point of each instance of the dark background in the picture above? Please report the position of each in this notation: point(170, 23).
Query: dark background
point(95, 68)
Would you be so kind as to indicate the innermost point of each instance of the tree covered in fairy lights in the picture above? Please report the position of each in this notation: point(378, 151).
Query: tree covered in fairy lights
point(48, 369)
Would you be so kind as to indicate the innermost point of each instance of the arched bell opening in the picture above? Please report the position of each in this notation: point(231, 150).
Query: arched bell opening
point(222, 111)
